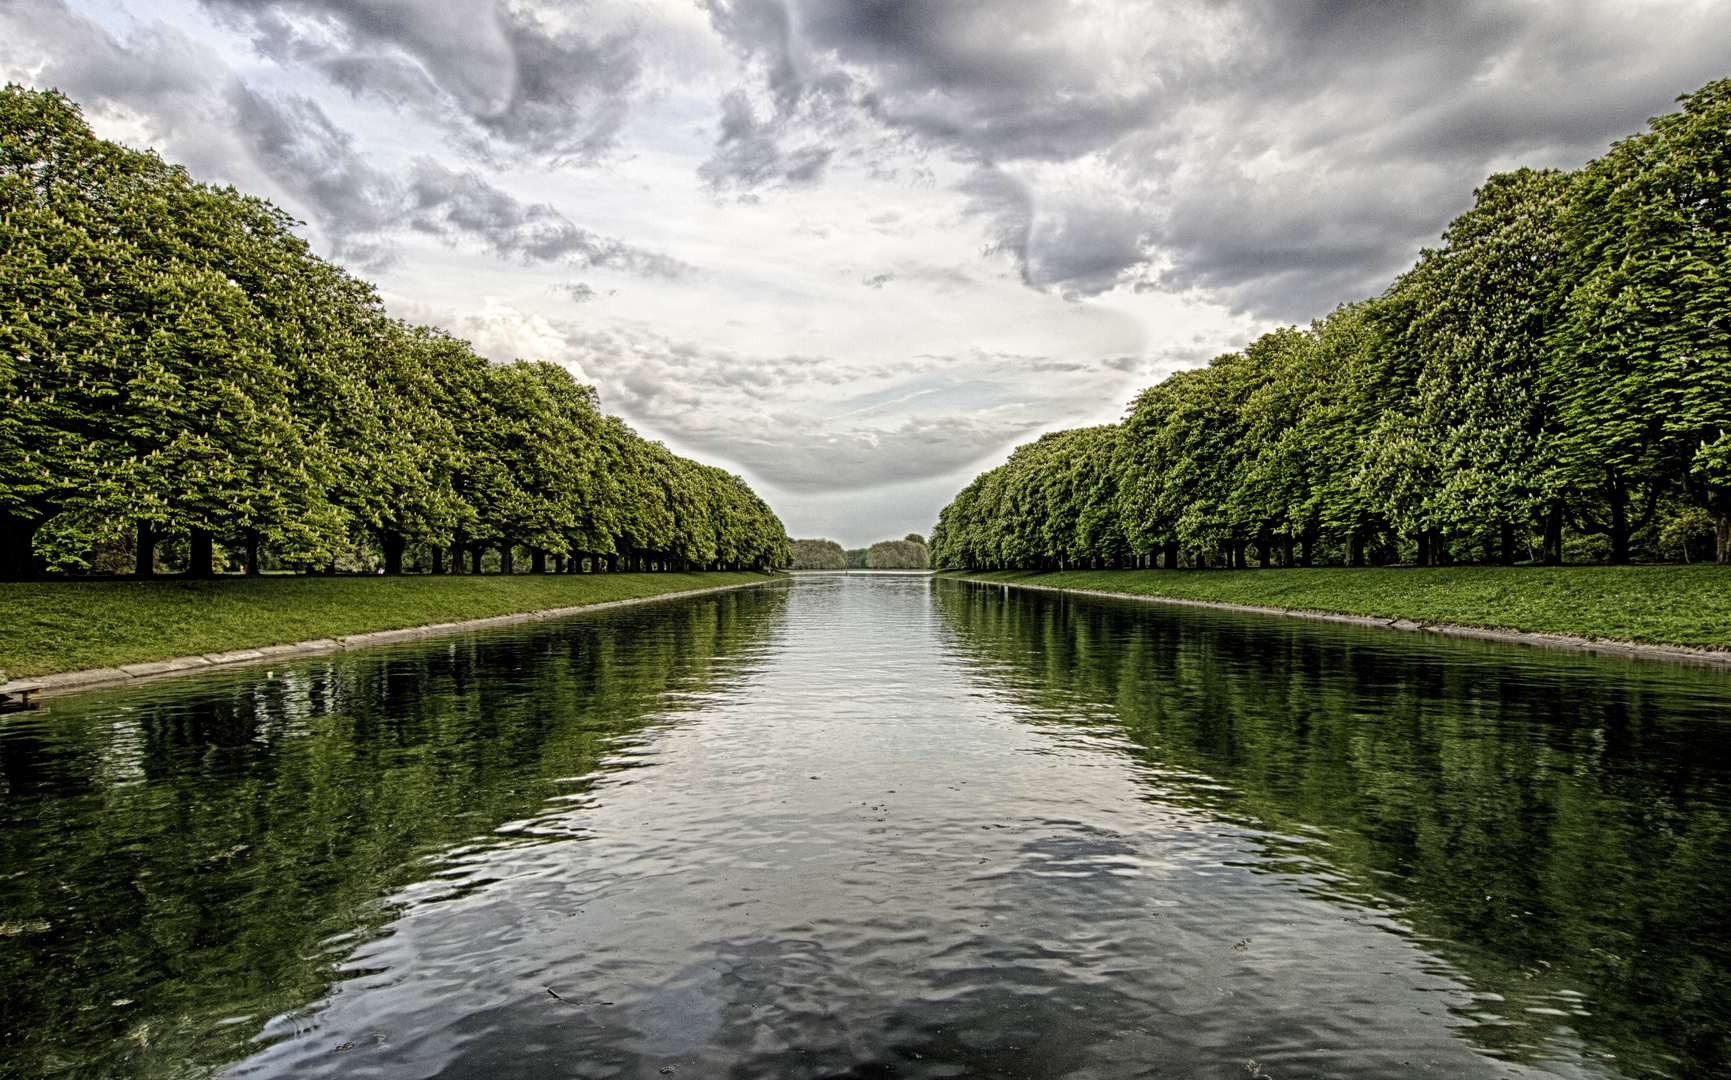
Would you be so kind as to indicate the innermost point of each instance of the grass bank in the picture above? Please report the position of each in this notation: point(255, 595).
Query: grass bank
point(57, 626)
point(1659, 605)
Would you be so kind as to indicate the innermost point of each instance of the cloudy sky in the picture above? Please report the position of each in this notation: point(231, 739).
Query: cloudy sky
point(857, 249)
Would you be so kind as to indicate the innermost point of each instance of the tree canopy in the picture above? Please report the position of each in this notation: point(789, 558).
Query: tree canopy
point(1562, 363)
point(818, 555)
point(897, 555)
point(174, 361)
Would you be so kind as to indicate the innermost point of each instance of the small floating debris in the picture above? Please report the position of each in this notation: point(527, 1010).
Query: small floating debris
point(579, 1004)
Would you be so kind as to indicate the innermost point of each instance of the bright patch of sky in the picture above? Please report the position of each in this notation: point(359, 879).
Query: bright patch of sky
point(858, 249)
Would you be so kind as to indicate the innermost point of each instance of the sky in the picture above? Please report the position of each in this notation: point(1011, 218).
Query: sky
point(856, 250)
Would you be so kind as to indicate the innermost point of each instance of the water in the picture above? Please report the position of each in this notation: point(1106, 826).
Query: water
point(876, 826)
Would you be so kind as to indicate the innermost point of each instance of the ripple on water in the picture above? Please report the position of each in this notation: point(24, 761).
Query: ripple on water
point(881, 827)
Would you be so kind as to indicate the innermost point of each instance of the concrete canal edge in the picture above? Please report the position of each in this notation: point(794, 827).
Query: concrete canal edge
point(1675, 654)
point(67, 682)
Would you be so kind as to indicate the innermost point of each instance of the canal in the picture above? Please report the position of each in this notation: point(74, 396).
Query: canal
point(877, 826)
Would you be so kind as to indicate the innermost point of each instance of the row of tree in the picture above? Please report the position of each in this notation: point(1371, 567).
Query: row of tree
point(1562, 362)
point(175, 363)
point(908, 553)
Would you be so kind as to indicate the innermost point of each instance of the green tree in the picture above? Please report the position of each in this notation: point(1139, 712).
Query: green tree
point(818, 555)
point(1641, 358)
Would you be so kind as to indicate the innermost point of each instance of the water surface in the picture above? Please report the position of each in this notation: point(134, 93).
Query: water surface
point(876, 826)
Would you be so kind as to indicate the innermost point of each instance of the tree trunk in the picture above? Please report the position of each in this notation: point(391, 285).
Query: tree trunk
point(1304, 544)
point(537, 560)
point(199, 562)
point(1424, 555)
point(1617, 494)
point(1286, 550)
point(1719, 505)
point(475, 551)
point(1264, 548)
point(1169, 557)
point(18, 560)
point(438, 559)
point(146, 554)
point(393, 543)
point(252, 567)
point(1506, 556)
point(1354, 553)
point(1553, 541)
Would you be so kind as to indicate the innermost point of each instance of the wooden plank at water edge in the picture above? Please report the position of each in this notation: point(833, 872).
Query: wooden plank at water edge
point(17, 694)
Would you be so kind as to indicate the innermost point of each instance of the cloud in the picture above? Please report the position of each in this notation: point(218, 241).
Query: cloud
point(749, 152)
point(1285, 153)
point(174, 90)
point(355, 202)
point(810, 423)
point(458, 206)
point(556, 83)
point(157, 82)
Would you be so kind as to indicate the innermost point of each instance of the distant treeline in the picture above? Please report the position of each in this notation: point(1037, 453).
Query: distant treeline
point(908, 553)
point(1561, 364)
point(176, 365)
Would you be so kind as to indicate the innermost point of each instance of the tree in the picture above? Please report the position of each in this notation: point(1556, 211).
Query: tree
point(1466, 441)
point(174, 361)
point(818, 555)
point(897, 555)
point(153, 376)
point(1641, 358)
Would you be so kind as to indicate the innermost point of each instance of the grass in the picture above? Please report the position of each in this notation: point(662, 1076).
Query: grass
point(56, 626)
point(1666, 605)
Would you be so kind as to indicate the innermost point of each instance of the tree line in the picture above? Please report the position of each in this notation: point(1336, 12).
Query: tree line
point(908, 553)
point(1560, 366)
point(175, 364)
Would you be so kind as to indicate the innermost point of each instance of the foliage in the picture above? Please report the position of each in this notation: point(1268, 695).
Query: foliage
point(175, 364)
point(1563, 361)
point(897, 555)
point(818, 555)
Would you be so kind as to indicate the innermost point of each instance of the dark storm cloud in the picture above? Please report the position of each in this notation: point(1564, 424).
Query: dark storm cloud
point(511, 78)
point(1287, 153)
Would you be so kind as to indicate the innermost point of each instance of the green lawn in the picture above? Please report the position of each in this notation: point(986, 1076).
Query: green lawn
point(1670, 605)
point(55, 626)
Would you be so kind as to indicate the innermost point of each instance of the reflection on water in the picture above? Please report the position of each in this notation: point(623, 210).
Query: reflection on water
point(875, 826)
point(1559, 827)
point(179, 863)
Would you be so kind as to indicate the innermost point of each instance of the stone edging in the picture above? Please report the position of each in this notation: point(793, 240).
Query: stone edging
point(1678, 654)
point(69, 681)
